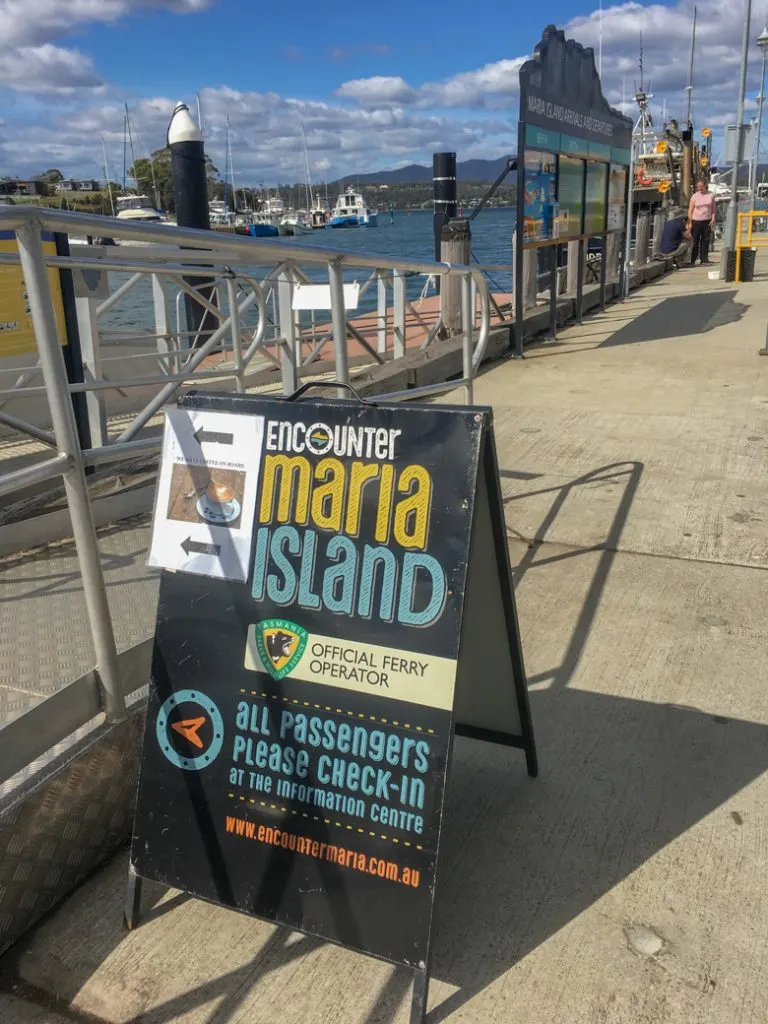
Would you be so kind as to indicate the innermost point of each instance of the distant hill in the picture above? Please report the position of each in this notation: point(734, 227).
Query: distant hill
point(467, 170)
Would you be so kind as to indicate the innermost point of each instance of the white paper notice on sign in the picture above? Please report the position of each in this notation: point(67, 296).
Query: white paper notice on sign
point(206, 493)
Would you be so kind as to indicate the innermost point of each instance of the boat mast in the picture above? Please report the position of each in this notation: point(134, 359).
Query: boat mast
point(231, 165)
point(226, 167)
point(689, 87)
point(306, 164)
point(130, 141)
point(125, 143)
point(199, 114)
point(600, 42)
point(644, 123)
point(106, 173)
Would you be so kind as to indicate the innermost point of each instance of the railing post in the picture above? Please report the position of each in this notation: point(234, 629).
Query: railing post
point(339, 320)
point(574, 266)
point(381, 314)
point(237, 350)
point(398, 300)
point(162, 324)
point(90, 350)
point(55, 377)
point(467, 322)
point(287, 331)
point(530, 282)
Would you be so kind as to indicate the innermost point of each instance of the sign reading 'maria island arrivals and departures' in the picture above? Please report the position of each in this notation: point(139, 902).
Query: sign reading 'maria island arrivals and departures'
point(336, 603)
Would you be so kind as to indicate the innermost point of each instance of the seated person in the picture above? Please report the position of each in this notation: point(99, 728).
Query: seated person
point(676, 237)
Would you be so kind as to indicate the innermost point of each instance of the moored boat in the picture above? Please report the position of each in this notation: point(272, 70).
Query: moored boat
point(296, 222)
point(319, 215)
point(137, 208)
point(351, 211)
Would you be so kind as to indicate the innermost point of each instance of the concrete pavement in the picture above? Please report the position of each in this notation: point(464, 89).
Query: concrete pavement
point(627, 883)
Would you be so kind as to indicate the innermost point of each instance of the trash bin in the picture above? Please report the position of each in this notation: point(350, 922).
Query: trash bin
point(730, 266)
point(747, 265)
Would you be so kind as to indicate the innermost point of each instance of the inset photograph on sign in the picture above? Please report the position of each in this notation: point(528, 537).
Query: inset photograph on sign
point(203, 495)
point(206, 493)
point(540, 192)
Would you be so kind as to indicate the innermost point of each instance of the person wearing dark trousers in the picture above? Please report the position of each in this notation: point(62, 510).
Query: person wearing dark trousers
point(701, 217)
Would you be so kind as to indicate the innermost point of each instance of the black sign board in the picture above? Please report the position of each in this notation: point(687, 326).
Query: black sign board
point(560, 91)
point(300, 719)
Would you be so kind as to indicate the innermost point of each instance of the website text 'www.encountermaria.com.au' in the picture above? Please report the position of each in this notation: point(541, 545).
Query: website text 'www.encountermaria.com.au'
point(340, 855)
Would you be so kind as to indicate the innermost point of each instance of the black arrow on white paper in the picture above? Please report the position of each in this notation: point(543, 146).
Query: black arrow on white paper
point(198, 547)
point(202, 436)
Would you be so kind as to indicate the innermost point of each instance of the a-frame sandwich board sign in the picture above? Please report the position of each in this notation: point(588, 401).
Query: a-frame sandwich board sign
point(336, 603)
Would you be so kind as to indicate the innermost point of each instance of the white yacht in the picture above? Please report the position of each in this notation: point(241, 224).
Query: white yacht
point(351, 211)
point(138, 208)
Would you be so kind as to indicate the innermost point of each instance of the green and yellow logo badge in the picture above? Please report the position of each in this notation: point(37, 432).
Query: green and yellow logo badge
point(280, 644)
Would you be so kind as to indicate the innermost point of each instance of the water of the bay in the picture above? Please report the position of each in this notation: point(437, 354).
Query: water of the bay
point(408, 235)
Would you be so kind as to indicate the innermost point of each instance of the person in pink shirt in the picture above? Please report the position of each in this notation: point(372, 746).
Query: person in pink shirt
point(701, 221)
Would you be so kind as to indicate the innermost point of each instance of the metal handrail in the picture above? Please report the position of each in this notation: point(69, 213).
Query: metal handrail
point(69, 459)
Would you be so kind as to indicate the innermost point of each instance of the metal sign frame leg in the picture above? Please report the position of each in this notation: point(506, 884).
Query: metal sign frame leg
point(132, 909)
point(420, 994)
point(553, 283)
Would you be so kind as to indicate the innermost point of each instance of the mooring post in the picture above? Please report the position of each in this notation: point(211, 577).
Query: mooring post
point(444, 196)
point(613, 252)
point(190, 196)
point(659, 220)
point(455, 248)
point(642, 232)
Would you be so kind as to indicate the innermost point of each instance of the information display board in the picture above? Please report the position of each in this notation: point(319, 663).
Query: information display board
point(17, 335)
point(301, 714)
point(571, 196)
point(564, 113)
point(595, 212)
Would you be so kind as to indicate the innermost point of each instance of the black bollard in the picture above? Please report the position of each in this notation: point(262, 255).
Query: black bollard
point(444, 195)
point(190, 196)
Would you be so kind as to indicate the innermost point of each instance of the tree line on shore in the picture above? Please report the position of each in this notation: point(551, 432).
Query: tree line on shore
point(153, 179)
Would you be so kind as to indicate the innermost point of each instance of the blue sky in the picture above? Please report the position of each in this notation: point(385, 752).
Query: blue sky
point(373, 85)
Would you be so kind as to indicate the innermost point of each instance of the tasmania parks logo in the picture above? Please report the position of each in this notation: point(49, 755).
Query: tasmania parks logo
point(280, 644)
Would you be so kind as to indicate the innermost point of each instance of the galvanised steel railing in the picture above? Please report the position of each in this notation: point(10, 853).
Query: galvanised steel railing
point(248, 274)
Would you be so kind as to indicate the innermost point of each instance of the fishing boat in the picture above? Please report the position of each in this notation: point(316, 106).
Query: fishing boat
point(319, 215)
point(351, 211)
point(295, 222)
point(265, 222)
point(219, 214)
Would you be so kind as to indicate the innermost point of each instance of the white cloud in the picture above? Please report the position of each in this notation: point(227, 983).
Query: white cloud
point(47, 69)
point(371, 122)
point(29, 62)
point(378, 90)
point(666, 35)
point(491, 86)
point(30, 22)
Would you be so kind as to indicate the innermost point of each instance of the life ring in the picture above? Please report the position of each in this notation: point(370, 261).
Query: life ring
point(642, 179)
